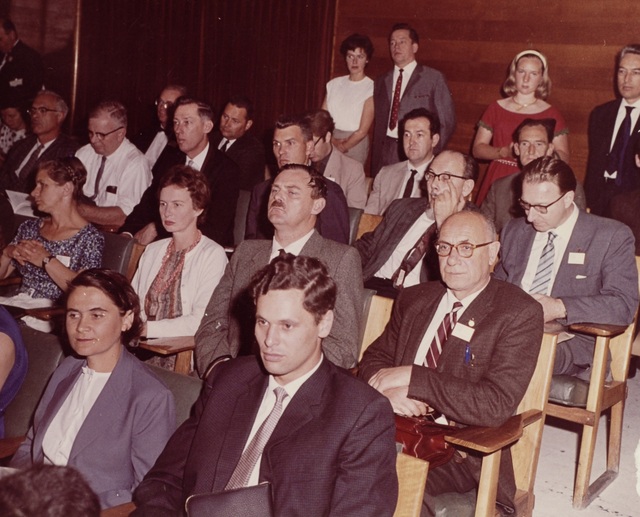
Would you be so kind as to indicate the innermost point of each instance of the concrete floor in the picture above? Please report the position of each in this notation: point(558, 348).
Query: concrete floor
point(558, 458)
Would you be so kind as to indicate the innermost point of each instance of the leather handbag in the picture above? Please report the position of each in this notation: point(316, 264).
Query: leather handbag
point(255, 501)
point(423, 438)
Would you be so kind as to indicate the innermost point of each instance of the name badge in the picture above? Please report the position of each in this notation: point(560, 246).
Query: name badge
point(14, 83)
point(576, 258)
point(463, 332)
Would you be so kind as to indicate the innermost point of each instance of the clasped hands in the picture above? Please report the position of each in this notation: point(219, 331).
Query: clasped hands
point(393, 383)
point(27, 251)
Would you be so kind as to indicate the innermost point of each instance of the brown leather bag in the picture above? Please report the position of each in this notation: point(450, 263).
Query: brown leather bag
point(422, 438)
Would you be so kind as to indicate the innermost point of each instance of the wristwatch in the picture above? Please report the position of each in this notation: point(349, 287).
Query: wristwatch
point(46, 260)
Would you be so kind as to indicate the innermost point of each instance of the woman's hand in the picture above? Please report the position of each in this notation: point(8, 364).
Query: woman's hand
point(31, 251)
point(12, 251)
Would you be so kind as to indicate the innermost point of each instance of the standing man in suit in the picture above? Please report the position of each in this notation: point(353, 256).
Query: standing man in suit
point(465, 347)
point(232, 138)
point(21, 70)
point(192, 124)
point(399, 252)
point(613, 131)
point(330, 452)
point(420, 131)
point(333, 164)
point(406, 87)
point(297, 196)
point(578, 266)
point(47, 142)
point(117, 172)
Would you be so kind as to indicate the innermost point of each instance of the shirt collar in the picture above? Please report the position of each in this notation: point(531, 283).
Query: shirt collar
point(292, 387)
point(295, 248)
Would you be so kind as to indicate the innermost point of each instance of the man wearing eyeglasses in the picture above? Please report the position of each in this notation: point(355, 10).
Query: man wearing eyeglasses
point(420, 130)
point(399, 252)
point(48, 112)
point(117, 172)
point(578, 266)
point(465, 348)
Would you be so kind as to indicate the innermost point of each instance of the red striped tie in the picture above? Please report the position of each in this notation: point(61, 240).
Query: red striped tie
point(435, 348)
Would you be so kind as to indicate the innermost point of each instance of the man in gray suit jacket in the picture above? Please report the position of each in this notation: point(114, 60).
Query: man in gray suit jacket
point(578, 266)
point(297, 197)
point(419, 87)
point(478, 370)
point(420, 130)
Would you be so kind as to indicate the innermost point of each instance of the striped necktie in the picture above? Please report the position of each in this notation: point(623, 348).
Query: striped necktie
point(444, 329)
point(545, 267)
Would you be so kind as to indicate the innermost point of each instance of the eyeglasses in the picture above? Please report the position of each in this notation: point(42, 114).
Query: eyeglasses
point(316, 141)
point(164, 104)
point(41, 110)
point(102, 136)
point(541, 209)
point(464, 249)
point(445, 176)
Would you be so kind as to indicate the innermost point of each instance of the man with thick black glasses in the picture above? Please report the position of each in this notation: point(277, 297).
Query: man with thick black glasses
point(578, 266)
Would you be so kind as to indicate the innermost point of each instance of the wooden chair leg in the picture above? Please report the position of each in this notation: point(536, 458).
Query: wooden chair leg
point(615, 437)
point(183, 362)
point(488, 487)
point(585, 463)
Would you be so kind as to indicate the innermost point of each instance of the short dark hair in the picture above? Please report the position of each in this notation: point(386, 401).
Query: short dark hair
point(548, 124)
point(413, 34)
point(8, 25)
point(47, 491)
point(321, 122)
point(355, 41)
point(285, 121)
point(242, 101)
point(114, 109)
point(434, 121)
point(316, 180)
point(205, 111)
point(119, 291)
point(307, 274)
point(548, 168)
point(194, 181)
point(64, 170)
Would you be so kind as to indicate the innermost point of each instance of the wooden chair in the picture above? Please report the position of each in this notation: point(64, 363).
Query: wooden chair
point(523, 432)
point(376, 320)
point(368, 223)
point(182, 347)
point(412, 479)
point(355, 214)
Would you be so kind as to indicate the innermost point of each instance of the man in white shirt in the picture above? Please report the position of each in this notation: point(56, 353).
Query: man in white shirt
point(420, 131)
point(578, 266)
point(320, 437)
point(117, 172)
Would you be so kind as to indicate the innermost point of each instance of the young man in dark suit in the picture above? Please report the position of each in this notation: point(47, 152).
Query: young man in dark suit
point(331, 452)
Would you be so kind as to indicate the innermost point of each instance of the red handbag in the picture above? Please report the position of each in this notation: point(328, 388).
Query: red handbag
point(423, 438)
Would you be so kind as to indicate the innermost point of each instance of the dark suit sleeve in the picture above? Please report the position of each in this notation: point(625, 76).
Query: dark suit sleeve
point(221, 212)
point(334, 219)
point(258, 225)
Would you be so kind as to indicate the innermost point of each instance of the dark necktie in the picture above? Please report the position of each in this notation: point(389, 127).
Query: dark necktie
point(408, 188)
point(96, 189)
point(31, 162)
point(616, 156)
point(413, 257)
point(395, 105)
point(545, 267)
point(224, 146)
point(252, 453)
point(440, 338)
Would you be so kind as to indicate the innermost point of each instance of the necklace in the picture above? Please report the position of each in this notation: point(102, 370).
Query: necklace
point(522, 106)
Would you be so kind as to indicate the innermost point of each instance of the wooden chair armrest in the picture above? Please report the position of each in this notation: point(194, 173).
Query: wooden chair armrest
point(168, 345)
point(45, 313)
point(9, 446)
point(122, 510)
point(598, 329)
point(489, 439)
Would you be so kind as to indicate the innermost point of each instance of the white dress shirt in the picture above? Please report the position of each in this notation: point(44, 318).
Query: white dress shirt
point(406, 75)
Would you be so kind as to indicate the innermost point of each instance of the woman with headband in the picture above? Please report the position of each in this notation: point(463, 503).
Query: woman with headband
point(525, 89)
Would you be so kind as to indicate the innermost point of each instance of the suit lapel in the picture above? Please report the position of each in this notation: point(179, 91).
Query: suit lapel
point(413, 80)
point(524, 242)
point(421, 317)
point(578, 243)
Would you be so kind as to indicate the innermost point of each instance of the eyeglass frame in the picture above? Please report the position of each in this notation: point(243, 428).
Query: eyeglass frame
point(164, 104)
point(541, 209)
point(431, 176)
point(41, 110)
point(101, 136)
point(473, 247)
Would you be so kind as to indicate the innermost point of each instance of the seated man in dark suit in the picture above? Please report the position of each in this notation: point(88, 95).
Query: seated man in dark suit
point(399, 252)
point(293, 143)
point(47, 142)
point(233, 139)
point(580, 267)
point(465, 347)
point(297, 196)
point(624, 207)
point(329, 448)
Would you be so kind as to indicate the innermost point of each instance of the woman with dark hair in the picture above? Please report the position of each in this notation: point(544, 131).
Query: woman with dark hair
point(526, 89)
point(349, 99)
point(176, 276)
point(50, 251)
point(13, 128)
point(103, 411)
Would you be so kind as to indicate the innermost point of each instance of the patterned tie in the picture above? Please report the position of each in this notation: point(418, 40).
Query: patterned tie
point(616, 156)
point(191, 163)
point(435, 348)
point(545, 267)
point(224, 146)
point(30, 163)
point(413, 257)
point(249, 458)
point(408, 189)
point(96, 189)
point(395, 105)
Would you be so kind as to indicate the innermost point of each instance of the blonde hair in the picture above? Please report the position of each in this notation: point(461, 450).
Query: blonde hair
point(544, 88)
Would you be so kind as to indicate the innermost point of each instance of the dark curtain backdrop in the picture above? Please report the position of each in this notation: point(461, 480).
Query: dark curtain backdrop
point(275, 51)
